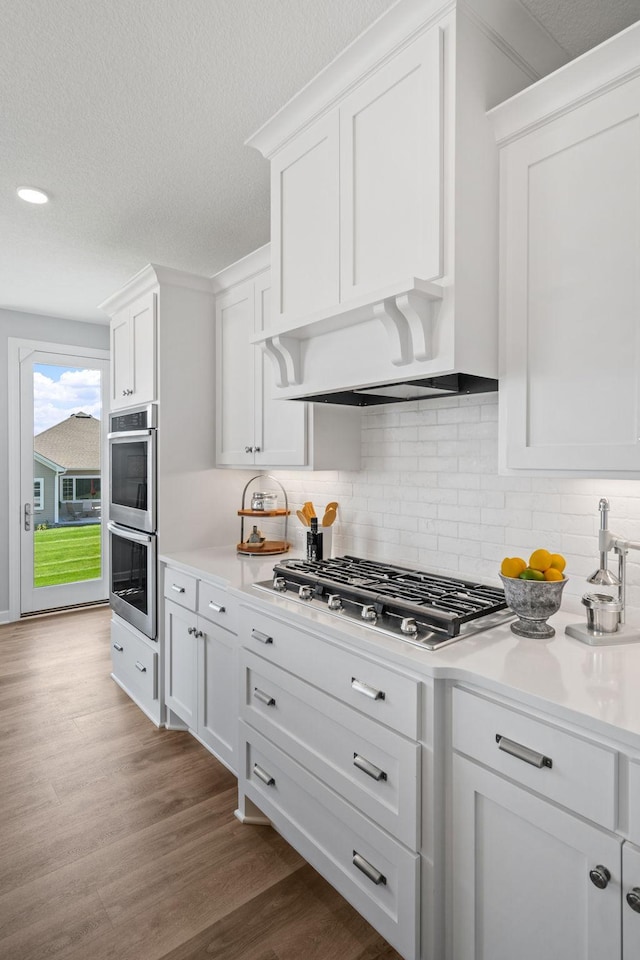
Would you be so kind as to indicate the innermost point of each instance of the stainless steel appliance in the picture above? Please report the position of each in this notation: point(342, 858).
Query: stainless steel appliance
point(132, 588)
point(421, 608)
point(132, 467)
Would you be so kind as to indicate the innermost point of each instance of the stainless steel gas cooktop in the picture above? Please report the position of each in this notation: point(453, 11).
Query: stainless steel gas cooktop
point(421, 608)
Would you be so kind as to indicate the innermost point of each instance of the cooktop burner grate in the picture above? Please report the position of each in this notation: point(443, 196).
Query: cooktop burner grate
point(421, 607)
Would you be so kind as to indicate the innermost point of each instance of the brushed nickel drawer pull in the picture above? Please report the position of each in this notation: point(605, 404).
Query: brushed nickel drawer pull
point(264, 697)
point(523, 753)
point(177, 588)
point(262, 637)
point(369, 768)
point(263, 775)
point(360, 687)
point(141, 667)
point(118, 646)
point(369, 871)
point(216, 607)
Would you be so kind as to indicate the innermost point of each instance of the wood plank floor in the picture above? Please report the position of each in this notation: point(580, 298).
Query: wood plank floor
point(118, 840)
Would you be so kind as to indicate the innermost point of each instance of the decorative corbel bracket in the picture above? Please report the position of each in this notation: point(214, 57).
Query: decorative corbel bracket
point(285, 356)
point(408, 321)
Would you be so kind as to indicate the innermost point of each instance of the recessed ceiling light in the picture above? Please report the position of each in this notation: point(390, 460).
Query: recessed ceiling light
point(31, 195)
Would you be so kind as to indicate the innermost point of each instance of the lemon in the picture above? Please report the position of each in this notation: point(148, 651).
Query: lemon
point(512, 567)
point(540, 560)
point(531, 574)
point(553, 574)
point(558, 562)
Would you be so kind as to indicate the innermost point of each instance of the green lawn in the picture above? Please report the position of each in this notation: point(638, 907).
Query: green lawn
point(66, 554)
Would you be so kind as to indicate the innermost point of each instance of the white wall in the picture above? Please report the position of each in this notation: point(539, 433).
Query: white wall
point(30, 327)
point(429, 494)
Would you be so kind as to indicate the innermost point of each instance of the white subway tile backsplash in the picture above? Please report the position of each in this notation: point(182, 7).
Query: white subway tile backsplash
point(429, 494)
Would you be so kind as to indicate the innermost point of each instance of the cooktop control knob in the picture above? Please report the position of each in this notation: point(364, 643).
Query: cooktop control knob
point(305, 592)
point(409, 626)
point(334, 602)
point(279, 584)
point(369, 613)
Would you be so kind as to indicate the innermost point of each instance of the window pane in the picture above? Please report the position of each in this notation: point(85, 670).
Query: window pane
point(67, 488)
point(37, 493)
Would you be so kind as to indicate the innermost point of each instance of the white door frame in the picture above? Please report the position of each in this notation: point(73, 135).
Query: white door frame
point(16, 349)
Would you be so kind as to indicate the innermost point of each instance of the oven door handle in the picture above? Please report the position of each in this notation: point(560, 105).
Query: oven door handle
point(127, 534)
point(129, 433)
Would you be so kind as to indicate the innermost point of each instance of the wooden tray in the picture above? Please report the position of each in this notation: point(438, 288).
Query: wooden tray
point(264, 513)
point(265, 548)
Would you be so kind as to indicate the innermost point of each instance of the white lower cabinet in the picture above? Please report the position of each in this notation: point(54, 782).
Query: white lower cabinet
point(631, 904)
point(532, 877)
point(330, 754)
point(201, 662)
point(135, 667)
point(521, 875)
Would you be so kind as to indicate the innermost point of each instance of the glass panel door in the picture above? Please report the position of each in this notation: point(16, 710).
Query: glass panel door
point(62, 468)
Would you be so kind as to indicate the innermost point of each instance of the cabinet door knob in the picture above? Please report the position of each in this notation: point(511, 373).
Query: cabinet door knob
point(191, 630)
point(633, 899)
point(600, 877)
point(117, 646)
point(198, 633)
point(256, 449)
point(248, 449)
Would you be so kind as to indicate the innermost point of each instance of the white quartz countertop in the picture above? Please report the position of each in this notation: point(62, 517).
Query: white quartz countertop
point(597, 687)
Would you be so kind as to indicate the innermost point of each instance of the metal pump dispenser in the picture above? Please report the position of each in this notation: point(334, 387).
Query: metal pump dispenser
point(606, 614)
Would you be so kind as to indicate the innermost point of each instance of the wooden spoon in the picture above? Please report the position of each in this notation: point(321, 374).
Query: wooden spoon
point(308, 510)
point(329, 517)
point(302, 517)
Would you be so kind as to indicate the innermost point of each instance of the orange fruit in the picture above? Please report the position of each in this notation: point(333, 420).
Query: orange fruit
point(540, 560)
point(558, 562)
point(512, 567)
point(553, 574)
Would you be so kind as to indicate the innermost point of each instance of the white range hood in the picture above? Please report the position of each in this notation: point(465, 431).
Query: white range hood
point(384, 204)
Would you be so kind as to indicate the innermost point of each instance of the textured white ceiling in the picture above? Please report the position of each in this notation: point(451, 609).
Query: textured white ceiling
point(133, 115)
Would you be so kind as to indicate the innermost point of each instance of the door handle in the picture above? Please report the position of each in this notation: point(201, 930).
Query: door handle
point(27, 516)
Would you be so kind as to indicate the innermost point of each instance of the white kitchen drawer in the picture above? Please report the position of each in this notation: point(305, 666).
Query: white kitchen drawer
point(372, 688)
point(634, 800)
point(329, 833)
point(180, 587)
point(135, 665)
point(373, 767)
point(582, 775)
point(216, 605)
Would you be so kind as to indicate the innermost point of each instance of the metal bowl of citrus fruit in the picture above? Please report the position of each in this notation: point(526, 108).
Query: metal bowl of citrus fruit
point(534, 591)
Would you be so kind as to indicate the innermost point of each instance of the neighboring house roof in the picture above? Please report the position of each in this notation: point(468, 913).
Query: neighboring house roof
point(47, 463)
point(73, 443)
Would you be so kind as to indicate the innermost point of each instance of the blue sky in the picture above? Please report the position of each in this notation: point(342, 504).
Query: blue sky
point(60, 391)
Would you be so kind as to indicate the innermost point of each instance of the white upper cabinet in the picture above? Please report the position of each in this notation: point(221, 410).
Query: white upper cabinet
point(570, 265)
point(384, 199)
point(305, 210)
point(390, 172)
point(133, 353)
point(254, 428)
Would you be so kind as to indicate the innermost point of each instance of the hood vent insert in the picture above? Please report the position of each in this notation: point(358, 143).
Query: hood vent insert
point(451, 385)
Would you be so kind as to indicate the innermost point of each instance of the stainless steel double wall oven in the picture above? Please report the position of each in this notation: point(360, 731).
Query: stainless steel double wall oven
point(132, 516)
